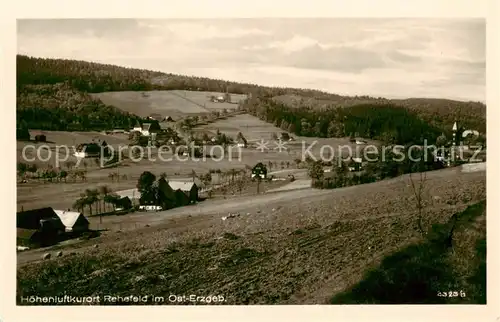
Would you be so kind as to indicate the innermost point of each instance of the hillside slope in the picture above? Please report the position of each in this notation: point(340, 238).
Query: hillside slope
point(91, 77)
point(440, 113)
point(301, 251)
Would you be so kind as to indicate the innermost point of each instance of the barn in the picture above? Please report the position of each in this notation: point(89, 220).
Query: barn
point(41, 226)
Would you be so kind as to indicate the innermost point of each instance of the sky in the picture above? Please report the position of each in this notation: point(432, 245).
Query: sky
point(393, 58)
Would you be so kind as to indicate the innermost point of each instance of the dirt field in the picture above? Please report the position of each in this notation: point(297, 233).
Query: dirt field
point(294, 247)
point(174, 103)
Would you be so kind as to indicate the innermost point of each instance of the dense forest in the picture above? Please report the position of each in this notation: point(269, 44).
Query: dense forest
point(59, 107)
point(440, 113)
point(52, 94)
point(385, 122)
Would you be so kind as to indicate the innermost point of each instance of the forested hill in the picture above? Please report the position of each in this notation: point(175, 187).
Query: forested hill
point(45, 86)
point(96, 78)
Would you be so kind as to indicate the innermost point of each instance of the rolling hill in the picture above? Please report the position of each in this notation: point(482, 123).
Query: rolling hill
point(122, 87)
point(169, 102)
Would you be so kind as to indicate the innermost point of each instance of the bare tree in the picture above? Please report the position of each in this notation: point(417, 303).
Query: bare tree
point(240, 184)
point(418, 188)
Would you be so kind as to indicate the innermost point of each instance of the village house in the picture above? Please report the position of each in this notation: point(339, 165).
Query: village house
point(166, 194)
point(259, 171)
point(91, 150)
point(169, 119)
point(190, 189)
point(74, 222)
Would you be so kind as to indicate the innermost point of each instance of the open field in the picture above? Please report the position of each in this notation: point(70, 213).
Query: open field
point(255, 130)
point(175, 103)
point(295, 247)
point(37, 194)
point(62, 139)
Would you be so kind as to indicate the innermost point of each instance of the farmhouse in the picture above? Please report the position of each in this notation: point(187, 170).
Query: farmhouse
point(259, 171)
point(190, 189)
point(89, 150)
point(166, 194)
point(73, 221)
point(40, 226)
point(39, 219)
point(169, 119)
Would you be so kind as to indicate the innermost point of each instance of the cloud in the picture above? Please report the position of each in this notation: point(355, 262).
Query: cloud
point(194, 31)
point(380, 57)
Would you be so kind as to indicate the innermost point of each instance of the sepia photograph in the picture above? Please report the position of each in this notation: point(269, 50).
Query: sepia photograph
point(251, 161)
